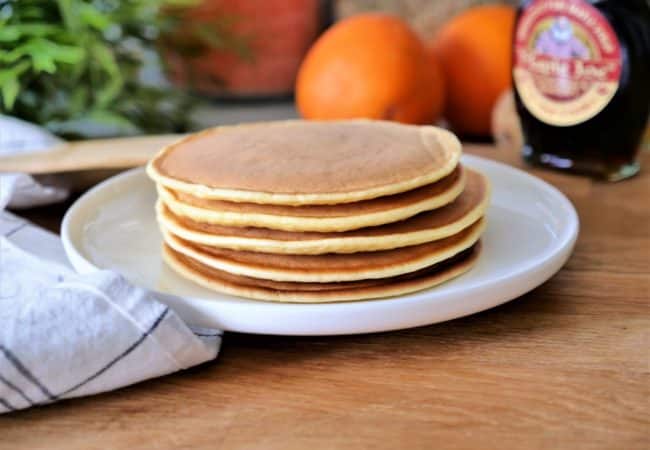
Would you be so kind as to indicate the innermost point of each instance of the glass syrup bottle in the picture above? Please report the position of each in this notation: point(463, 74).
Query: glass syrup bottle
point(581, 75)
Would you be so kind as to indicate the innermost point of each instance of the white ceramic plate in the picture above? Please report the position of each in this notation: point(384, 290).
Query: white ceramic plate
point(531, 231)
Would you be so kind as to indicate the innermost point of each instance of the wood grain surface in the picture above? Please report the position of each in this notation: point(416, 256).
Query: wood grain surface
point(563, 367)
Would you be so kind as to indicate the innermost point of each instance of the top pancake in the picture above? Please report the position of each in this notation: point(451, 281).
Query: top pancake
point(305, 162)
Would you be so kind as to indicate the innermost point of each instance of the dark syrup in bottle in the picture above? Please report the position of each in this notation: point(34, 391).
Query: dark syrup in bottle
point(582, 83)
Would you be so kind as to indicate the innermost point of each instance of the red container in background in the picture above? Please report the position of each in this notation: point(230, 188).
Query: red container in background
point(276, 33)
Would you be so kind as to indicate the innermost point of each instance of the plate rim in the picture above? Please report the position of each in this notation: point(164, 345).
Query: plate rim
point(555, 256)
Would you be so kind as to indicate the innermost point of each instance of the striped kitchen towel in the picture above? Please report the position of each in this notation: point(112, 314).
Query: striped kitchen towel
point(64, 335)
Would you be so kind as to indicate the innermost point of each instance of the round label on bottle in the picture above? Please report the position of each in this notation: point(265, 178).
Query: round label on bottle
point(567, 61)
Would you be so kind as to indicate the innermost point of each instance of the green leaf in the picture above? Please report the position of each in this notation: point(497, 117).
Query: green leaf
point(90, 16)
point(10, 84)
point(106, 59)
point(41, 51)
point(44, 54)
point(70, 19)
point(9, 90)
point(9, 33)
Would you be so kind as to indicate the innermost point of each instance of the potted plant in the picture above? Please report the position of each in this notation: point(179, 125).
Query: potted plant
point(85, 69)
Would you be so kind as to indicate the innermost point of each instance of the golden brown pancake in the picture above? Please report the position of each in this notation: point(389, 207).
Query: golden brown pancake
point(455, 179)
point(329, 267)
point(306, 162)
point(252, 288)
point(424, 227)
point(323, 218)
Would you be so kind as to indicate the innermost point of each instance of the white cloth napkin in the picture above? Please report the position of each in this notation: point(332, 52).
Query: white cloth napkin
point(64, 335)
point(19, 190)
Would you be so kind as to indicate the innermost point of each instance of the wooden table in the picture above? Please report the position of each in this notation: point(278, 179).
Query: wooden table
point(563, 367)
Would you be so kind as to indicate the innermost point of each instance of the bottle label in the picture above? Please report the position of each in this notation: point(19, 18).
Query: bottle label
point(567, 61)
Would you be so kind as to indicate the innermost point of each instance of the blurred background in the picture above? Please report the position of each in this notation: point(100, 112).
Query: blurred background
point(104, 68)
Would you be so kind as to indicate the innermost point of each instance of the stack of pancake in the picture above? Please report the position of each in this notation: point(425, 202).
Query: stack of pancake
point(303, 211)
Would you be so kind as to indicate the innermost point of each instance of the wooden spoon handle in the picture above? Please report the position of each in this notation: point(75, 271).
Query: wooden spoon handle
point(117, 153)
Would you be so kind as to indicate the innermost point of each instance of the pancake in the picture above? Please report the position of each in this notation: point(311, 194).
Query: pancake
point(252, 288)
point(329, 267)
point(427, 226)
point(323, 218)
point(306, 162)
point(442, 190)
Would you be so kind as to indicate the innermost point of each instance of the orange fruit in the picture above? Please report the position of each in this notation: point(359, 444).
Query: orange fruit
point(372, 66)
point(475, 51)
